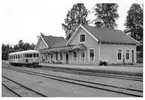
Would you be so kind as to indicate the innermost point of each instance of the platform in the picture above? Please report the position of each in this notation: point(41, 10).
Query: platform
point(129, 68)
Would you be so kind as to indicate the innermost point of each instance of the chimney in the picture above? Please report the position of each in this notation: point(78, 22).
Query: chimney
point(98, 24)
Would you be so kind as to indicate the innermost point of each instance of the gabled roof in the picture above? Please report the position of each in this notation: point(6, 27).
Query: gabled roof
point(52, 41)
point(106, 35)
point(65, 48)
point(80, 46)
point(110, 35)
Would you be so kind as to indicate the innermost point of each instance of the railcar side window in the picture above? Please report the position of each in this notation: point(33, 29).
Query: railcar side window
point(29, 55)
point(18, 56)
point(34, 55)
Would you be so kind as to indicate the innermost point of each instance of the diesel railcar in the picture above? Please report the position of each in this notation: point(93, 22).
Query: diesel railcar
point(29, 58)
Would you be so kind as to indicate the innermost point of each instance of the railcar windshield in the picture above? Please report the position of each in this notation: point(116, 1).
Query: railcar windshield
point(35, 55)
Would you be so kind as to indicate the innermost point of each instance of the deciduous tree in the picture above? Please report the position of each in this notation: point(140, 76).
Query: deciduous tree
point(76, 16)
point(106, 13)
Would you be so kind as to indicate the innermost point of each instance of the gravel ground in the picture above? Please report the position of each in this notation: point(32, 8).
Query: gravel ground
point(110, 81)
point(55, 88)
point(7, 93)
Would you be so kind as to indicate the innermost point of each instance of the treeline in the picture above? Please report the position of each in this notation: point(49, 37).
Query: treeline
point(6, 48)
point(105, 16)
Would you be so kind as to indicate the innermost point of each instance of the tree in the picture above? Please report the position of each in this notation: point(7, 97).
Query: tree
point(107, 14)
point(5, 51)
point(76, 16)
point(20, 44)
point(134, 22)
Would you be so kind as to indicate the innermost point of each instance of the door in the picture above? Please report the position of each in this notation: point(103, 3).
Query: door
point(132, 56)
point(66, 58)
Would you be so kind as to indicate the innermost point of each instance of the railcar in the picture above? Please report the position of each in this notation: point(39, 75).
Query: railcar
point(28, 58)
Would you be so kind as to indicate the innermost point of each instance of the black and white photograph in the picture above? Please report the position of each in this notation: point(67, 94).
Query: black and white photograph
point(71, 48)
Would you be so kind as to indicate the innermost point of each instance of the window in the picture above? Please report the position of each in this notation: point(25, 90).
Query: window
point(82, 55)
point(82, 38)
point(34, 55)
point(37, 55)
point(119, 54)
point(61, 57)
point(29, 55)
point(127, 54)
point(91, 54)
point(18, 56)
point(75, 55)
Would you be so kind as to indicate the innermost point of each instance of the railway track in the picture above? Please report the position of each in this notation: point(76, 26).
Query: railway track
point(19, 89)
point(94, 85)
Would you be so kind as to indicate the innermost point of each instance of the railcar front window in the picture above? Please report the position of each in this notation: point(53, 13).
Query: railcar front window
point(37, 55)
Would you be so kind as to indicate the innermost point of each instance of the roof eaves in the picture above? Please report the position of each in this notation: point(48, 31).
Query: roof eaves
point(73, 34)
point(44, 41)
point(90, 33)
point(133, 39)
point(37, 43)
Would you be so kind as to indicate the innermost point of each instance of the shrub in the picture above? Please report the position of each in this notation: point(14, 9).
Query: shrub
point(103, 63)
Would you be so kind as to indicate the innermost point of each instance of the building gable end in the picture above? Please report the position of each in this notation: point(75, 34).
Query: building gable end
point(38, 43)
point(74, 34)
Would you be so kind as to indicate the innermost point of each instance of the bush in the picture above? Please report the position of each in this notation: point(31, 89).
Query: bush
point(103, 63)
point(140, 60)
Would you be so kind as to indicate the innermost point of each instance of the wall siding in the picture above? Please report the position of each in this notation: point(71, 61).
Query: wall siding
point(108, 52)
point(90, 42)
point(41, 44)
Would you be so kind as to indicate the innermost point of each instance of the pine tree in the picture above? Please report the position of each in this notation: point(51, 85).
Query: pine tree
point(134, 22)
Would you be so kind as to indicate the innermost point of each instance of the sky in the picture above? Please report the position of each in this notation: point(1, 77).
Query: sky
point(25, 19)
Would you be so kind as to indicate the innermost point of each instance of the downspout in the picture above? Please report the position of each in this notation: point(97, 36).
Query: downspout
point(99, 50)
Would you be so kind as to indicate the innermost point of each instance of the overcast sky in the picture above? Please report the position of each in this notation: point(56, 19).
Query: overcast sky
point(25, 19)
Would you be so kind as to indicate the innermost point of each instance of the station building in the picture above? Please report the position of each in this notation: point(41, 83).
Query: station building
point(88, 45)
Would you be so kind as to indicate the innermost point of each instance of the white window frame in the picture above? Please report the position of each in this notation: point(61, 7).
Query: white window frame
point(89, 54)
point(126, 53)
point(81, 55)
point(80, 38)
point(121, 54)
